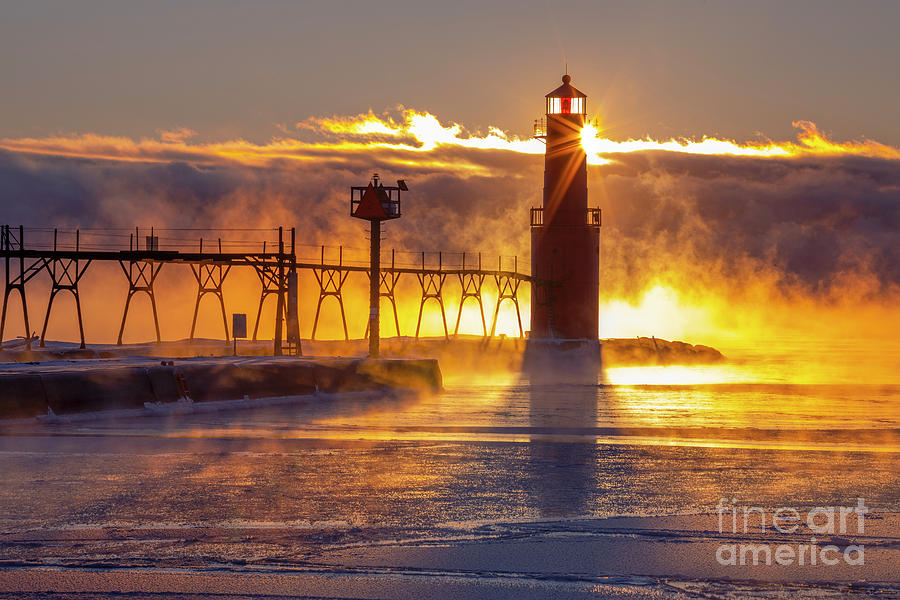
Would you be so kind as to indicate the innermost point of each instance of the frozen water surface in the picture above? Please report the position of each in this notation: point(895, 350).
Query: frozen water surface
point(495, 487)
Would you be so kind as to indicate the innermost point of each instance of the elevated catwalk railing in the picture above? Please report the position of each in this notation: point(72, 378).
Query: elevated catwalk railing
point(66, 254)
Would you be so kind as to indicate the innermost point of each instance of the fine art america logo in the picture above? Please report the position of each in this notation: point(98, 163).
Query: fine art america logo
point(821, 520)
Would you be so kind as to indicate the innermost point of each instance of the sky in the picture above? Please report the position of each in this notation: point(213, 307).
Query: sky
point(240, 69)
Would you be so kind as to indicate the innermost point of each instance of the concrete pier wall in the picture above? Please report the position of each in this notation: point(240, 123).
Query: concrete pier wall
point(29, 390)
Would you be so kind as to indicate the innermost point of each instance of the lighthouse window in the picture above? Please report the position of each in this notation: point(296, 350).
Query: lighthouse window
point(565, 106)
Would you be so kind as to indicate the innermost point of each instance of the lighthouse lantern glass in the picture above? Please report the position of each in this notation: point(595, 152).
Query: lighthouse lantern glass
point(565, 106)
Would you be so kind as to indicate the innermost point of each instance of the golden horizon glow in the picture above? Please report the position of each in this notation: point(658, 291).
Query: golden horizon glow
point(414, 138)
point(405, 140)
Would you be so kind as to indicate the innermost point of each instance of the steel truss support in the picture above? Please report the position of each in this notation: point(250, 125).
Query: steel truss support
point(432, 284)
point(65, 274)
point(12, 241)
point(389, 281)
point(276, 270)
point(471, 283)
point(210, 278)
point(287, 310)
point(141, 276)
point(331, 282)
point(268, 277)
point(508, 289)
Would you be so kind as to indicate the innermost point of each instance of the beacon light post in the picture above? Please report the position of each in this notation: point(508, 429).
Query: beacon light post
point(375, 203)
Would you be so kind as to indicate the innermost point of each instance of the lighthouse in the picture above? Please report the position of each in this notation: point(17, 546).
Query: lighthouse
point(565, 232)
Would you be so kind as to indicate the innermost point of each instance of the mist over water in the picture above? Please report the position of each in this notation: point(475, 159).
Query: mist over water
point(485, 457)
point(710, 247)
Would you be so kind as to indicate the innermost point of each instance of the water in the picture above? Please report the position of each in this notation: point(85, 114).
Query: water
point(492, 457)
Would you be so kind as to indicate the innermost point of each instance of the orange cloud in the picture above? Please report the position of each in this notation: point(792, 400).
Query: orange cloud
point(175, 136)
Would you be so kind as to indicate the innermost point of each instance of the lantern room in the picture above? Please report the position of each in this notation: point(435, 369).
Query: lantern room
point(566, 100)
point(376, 201)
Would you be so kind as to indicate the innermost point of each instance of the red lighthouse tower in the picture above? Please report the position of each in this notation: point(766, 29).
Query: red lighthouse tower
point(565, 233)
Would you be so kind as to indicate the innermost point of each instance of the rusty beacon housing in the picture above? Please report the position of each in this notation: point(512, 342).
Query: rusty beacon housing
point(565, 233)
